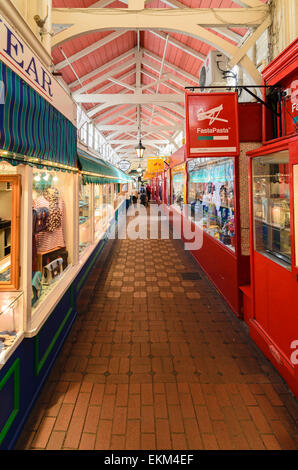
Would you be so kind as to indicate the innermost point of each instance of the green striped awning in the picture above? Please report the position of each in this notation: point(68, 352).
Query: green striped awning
point(31, 129)
point(95, 170)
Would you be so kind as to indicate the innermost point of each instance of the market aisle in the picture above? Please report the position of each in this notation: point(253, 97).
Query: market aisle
point(157, 361)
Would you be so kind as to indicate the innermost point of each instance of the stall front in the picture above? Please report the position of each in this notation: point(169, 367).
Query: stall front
point(103, 194)
point(38, 175)
point(274, 229)
point(46, 255)
point(206, 190)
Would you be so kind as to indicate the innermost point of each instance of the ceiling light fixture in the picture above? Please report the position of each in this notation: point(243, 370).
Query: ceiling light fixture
point(140, 149)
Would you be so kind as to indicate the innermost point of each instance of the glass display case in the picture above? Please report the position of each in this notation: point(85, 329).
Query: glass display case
point(211, 197)
point(85, 228)
point(178, 185)
point(50, 254)
point(271, 207)
point(99, 211)
point(119, 195)
point(11, 314)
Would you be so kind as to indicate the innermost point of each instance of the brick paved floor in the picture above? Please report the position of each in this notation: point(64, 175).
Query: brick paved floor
point(157, 362)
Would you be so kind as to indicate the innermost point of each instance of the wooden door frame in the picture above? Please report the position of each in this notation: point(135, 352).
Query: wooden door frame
point(15, 181)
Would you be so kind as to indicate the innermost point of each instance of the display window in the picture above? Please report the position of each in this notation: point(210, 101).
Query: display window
point(9, 231)
point(211, 197)
point(168, 186)
point(100, 211)
point(85, 216)
point(110, 194)
point(271, 207)
point(118, 195)
point(50, 237)
point(178, 190)
point(107, 203)
point(160, 189)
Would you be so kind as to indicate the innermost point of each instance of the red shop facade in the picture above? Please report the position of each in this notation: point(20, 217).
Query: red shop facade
point(216, 197)
point(272, 300)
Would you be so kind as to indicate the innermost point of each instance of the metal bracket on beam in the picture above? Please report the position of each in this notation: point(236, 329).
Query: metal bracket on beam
point(246, 88)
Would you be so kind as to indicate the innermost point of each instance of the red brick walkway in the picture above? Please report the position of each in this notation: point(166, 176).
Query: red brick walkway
point(158, 362)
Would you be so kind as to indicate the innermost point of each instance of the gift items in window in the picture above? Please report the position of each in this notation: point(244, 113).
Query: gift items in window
point(178, 189)
point(49, 252)
point(211, 197)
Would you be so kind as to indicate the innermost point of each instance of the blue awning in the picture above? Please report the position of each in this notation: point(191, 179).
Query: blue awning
point(98, 171)
point(32, 131)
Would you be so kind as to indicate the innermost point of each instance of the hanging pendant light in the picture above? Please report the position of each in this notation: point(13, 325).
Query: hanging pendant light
point(140, 149)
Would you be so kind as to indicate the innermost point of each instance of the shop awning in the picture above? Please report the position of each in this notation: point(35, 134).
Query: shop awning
point(95, 170)
point(32, 131)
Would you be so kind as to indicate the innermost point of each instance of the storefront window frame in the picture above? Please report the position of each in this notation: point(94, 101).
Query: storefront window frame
point(91, 216)
point(15, 182)
point(213, 162)
point(282, 155)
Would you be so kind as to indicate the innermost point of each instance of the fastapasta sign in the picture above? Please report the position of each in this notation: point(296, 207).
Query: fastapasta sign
point(211, 124)
point(18, 56)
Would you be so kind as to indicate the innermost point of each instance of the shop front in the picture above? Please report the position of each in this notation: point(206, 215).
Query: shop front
point(52, 231)
point(210, 191)
point(274, 229)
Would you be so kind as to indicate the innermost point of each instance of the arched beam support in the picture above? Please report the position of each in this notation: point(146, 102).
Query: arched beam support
point(185, 21)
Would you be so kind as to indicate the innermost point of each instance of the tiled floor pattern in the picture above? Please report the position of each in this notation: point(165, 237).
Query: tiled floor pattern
point(157, 362)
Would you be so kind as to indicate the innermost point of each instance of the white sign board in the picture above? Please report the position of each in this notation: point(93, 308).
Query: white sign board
point(124, 165)
point(18, 56)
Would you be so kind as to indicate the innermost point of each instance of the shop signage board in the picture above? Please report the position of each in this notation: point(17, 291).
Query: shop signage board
point(18, 56)
point(148, 175)
point(291, 115)
point(212, 124)
point(124, 165)
point(178, 168)
point(155, 165)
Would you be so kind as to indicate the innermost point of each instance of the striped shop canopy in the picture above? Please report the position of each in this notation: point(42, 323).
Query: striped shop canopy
point(95, 170)
point(32, 131)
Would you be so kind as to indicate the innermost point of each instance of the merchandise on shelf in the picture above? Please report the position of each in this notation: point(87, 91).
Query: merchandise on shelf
point(178, 189)
point(211, 197)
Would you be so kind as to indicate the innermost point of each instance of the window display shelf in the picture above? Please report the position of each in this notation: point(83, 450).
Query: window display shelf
point(288, 229)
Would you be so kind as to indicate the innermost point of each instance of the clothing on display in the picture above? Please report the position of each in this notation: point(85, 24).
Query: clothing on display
point(49, 255)
point(51, 205)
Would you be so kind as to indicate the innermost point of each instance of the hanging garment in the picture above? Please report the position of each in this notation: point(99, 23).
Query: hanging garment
point(54, 220)
point(49, 240)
